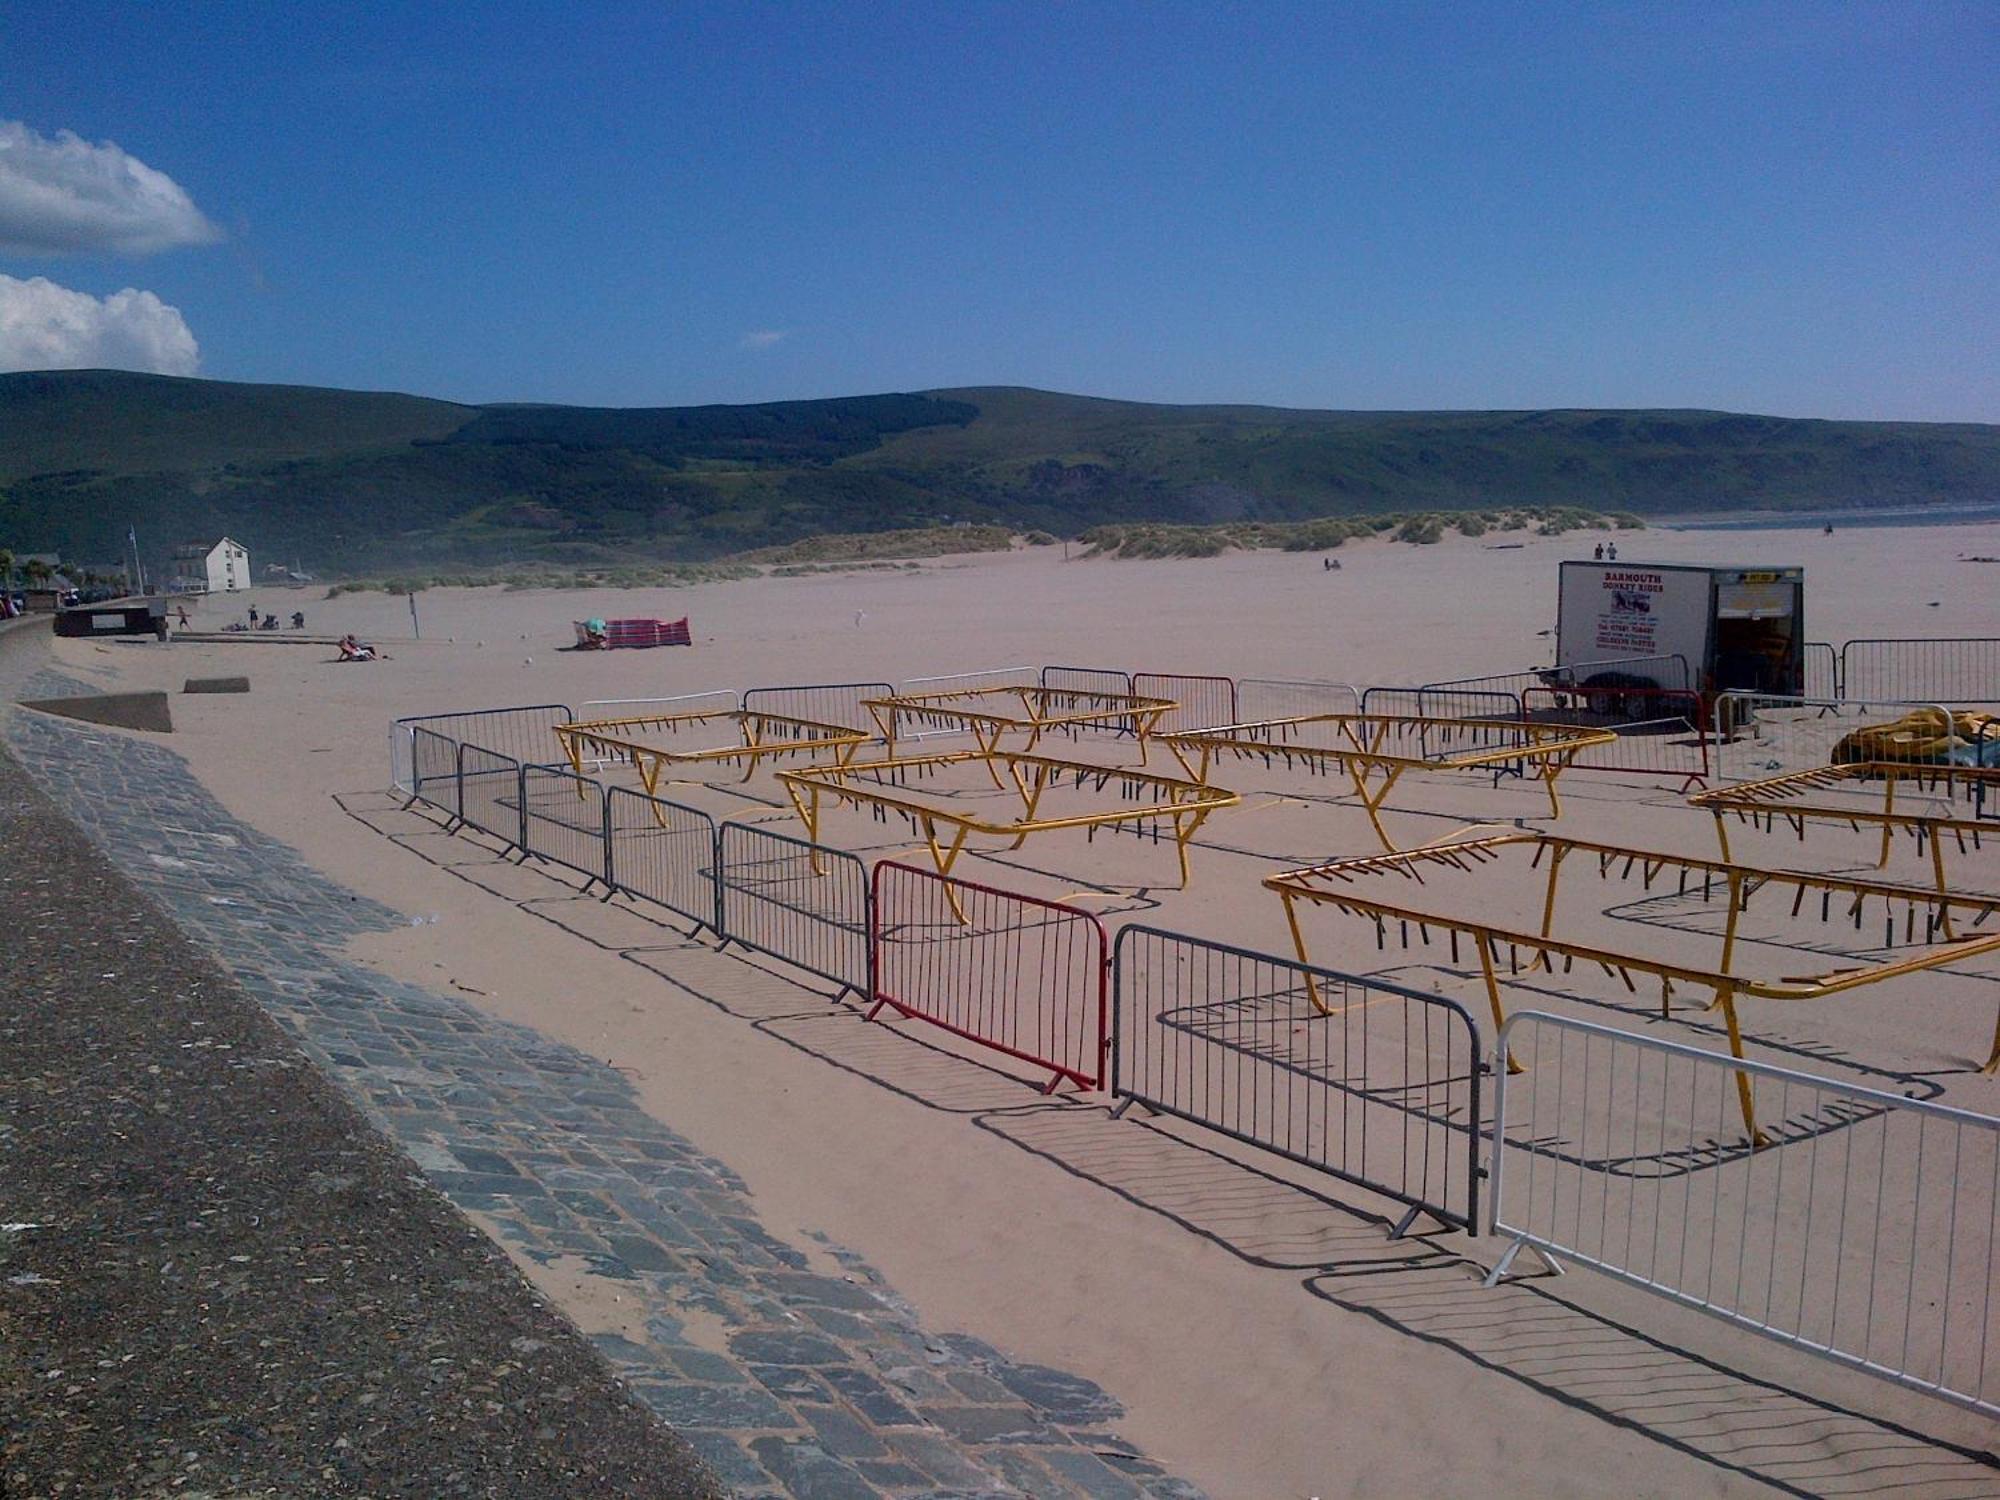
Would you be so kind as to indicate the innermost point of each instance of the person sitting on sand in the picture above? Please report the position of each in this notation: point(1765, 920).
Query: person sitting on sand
point(298, 619)
point(353, 650)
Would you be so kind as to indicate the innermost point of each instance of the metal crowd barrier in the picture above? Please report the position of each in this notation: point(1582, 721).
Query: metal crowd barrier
point(1822, 669)
point(662, 852)
point(1020, 975)
point(1205, 702)
point(525, 733)
point(820, 702)
point(489, 795)
point(428, 770)
point(1086, 679)
point(991, 677)
point(727, 699)
point(563, 820)
point(1866, 1233)
point(1382, 1090)
point(1260, 698)
point(1961, 670)
point(798, 901)
point(1661, 732)
point(1665, 671)
point(1762, 734)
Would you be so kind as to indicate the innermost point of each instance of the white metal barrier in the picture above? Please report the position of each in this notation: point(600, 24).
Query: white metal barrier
point(990, 677)
point(1864, 1233)
point(1762, 734)
point(716, 700)
point(724, 699)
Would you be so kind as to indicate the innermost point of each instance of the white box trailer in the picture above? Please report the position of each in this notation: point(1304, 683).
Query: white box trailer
point(1630, 624)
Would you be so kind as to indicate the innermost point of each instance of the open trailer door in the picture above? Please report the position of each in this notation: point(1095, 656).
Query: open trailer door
point(1759, 631)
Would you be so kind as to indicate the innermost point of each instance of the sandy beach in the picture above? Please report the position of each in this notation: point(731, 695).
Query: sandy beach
point(1266, 1335)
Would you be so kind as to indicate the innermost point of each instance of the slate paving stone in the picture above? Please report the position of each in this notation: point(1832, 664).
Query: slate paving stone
point(810, 1472)
point(692, 1403)
point(842, 1433)
point(1068, 1399)
point(989, 1424)
point(551, 1149)
point(786, 1348)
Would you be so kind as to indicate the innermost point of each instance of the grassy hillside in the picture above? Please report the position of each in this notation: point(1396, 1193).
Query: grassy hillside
point(112, 422)
point(368, 481)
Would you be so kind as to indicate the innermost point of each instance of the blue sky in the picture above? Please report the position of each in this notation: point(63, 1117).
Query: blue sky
point(1766, 207)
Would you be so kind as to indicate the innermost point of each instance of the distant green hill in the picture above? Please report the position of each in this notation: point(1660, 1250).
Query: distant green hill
point(358, 480)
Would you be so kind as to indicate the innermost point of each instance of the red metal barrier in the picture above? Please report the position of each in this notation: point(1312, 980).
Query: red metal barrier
point(1205, 702)
point(1026, 977)
point(1661, 731)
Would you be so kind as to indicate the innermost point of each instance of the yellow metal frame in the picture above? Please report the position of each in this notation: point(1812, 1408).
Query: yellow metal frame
point(623, 739)
point(883, 784)
point(1370, 749)
point(1041, 709)
point(1339, 884)
point(1789, 799)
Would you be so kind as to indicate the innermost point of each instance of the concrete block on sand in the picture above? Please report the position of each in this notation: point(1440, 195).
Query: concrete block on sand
point(216, 685)
point(146, 711)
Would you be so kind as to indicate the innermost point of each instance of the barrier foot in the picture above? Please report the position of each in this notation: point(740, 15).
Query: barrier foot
point(1403, 1224)
point(1501, 1267)
point(1118, 1109)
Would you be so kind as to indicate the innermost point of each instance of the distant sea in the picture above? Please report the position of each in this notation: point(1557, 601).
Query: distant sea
point(1814, 520)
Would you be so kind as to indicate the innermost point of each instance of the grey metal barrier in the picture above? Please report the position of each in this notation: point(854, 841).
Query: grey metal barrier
point(662, 852)
point(1367, 1081)
point(1959, 670)
point(1822, 668)
point(430, 769)
point(795, 900)
point(1205, 702)
point(1664, 671)
point(1864, 1233)
point(1441, 703)
point(563, 820)
point(489, 794)
point(821, 702)
point(1764, 734)
point(1260, 698)
point(525, 733)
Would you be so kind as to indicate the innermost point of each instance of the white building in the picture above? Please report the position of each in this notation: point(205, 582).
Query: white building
point(218, 567)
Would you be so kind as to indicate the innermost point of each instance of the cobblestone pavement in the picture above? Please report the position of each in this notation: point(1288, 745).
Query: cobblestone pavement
point(825, 1387)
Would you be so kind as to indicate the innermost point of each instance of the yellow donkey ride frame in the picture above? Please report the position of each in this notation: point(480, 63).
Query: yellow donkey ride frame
point(981, 712)
point(1375, 749)
point(760, 737)
point(885, 784)
point(1795, 799)
point(1342, 885)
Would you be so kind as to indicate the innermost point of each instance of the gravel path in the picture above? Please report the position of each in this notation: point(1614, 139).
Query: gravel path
point(215, 1278)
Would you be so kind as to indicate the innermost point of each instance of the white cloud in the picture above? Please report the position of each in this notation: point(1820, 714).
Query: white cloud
point(48, 327)
point(764, 338)
point(64, 195)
